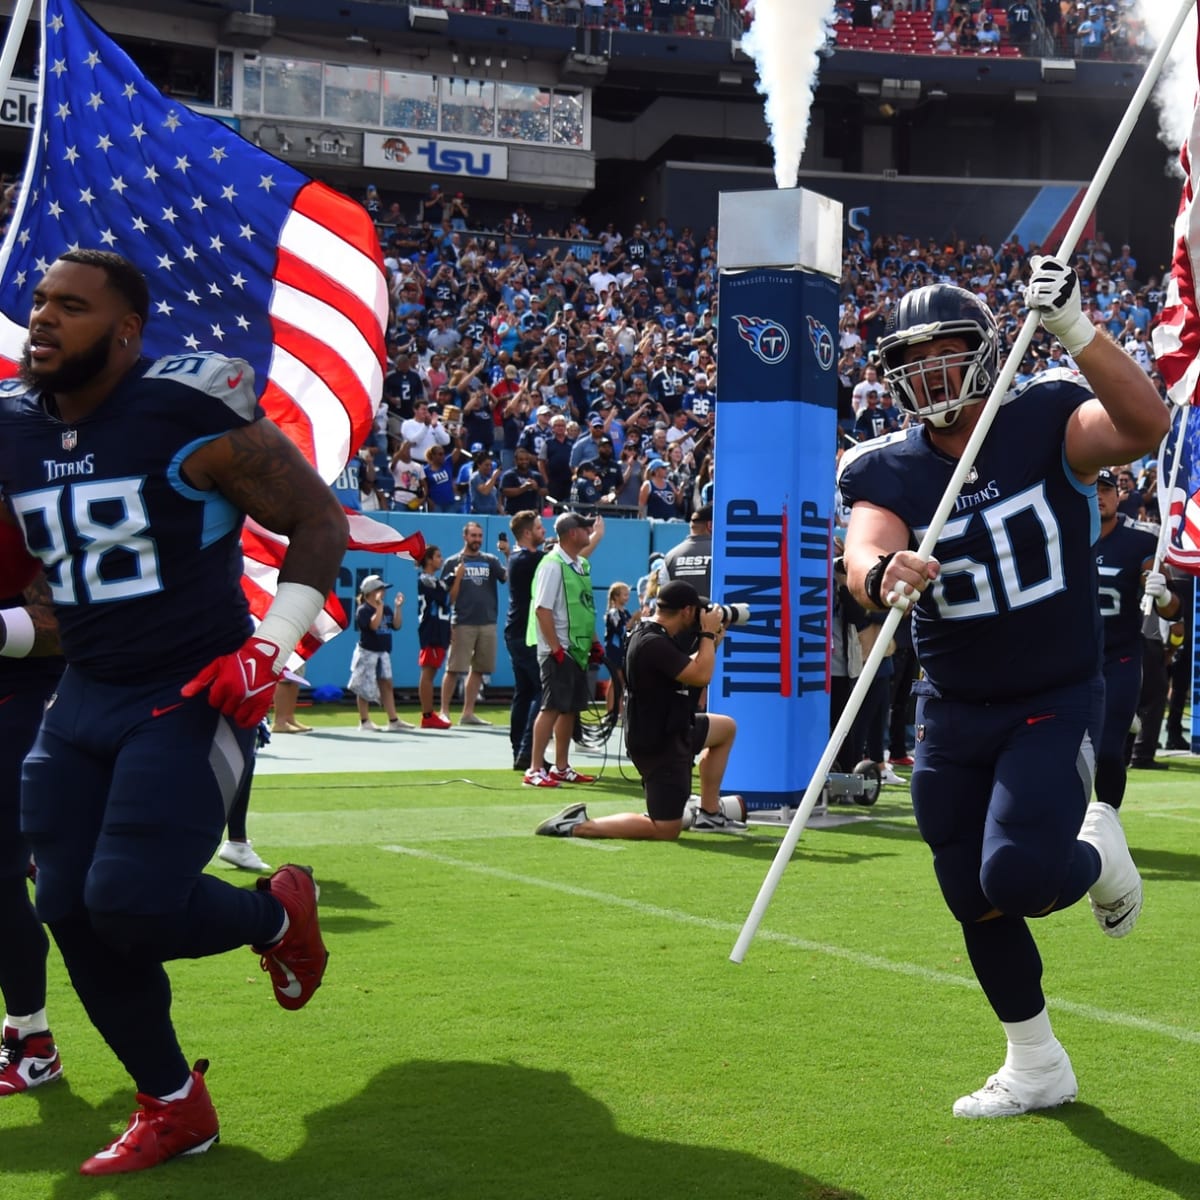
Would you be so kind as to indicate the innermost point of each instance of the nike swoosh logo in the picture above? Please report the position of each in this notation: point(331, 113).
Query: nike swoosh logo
point(38, 1072)
point(293, 989)
point(1035, 720)
point(1113, 922)
point(234, 380)
point(161, 712)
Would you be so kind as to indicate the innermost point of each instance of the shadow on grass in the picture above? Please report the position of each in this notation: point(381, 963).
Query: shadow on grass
point(1138, 1155)
point(1165, 864)
point(763, 849)
point(429, 1130)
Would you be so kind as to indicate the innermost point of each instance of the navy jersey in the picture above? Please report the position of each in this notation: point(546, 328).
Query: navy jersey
point(1014, 609)
point(144, 570)
point(1121, 557)
point(433, 611)
point(377, 640)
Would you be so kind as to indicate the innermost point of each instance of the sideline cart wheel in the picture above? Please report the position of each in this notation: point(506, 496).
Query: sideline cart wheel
point(869, 772)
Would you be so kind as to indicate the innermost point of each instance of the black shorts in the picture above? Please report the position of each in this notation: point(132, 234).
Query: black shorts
point(564, 685)
point(667, 777)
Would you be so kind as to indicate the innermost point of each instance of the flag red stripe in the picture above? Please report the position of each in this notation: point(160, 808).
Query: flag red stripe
point(335, 372)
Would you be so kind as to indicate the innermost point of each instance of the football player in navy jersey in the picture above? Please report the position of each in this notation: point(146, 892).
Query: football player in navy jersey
point(130, 479)
point(29, 671)
point(1124, 557)
point(1007, 629)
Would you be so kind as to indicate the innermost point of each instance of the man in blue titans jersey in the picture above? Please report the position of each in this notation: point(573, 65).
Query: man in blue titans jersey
point(1007, 629)
point(1124, 557)
point(130, 479)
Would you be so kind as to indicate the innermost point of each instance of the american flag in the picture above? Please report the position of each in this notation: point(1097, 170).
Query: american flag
point(1176, 339)
point(243, 254)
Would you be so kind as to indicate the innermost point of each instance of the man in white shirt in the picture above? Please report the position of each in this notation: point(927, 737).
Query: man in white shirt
point(423, 429)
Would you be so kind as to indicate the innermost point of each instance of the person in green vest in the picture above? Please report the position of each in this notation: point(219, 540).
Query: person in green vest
point(562, 624)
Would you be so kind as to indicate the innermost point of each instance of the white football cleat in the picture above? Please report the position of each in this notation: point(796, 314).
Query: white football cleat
point(1116, 896)
point(1011, 1092)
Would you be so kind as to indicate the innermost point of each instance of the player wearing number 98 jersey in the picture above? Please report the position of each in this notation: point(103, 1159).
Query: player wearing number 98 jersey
point(130, 479)
point(1007, 630)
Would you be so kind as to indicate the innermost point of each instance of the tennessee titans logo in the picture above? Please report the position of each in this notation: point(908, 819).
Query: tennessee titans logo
point(822, 341)
point(767, 339)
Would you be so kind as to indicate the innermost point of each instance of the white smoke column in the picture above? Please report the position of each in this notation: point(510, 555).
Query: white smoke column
point(784, 41)
point(1175, 95)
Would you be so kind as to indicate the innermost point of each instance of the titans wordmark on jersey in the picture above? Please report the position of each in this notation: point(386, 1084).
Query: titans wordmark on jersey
point(1121, 557)
point(105, 505)
point(1014, 609)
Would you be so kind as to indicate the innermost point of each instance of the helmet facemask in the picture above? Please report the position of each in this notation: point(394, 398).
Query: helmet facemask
point(925, 387)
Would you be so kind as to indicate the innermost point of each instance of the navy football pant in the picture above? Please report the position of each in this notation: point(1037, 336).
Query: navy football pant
point(124, 798)
point(24, 946)
point(1122, 686)
point(999, 792)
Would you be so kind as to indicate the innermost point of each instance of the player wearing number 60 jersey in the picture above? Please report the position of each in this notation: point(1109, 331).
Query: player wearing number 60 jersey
point(1007, 629)
point(129, 480)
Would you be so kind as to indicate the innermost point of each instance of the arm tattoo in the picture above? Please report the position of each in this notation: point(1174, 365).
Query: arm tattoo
point(41, 610)
point(261, 472)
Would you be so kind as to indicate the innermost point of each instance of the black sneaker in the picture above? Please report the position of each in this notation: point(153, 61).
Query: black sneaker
point(1178, 742)
point(521, 763)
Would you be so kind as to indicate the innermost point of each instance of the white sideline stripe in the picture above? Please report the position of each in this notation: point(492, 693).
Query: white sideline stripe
point(1090, 1012)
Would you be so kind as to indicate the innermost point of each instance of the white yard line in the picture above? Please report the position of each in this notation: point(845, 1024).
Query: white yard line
point(1088, 1011)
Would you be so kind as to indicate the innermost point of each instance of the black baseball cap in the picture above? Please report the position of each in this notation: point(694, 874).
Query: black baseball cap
point(1106, 478)
point(678, 595)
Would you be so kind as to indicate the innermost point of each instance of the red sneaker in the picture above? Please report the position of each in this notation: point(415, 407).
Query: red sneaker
point(27, 1062)
point(297, 961)
point(433, 721)
point(568, 774)
point(160, 1130)
point(904, 760)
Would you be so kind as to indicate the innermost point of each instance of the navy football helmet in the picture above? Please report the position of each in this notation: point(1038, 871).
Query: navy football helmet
point(923, 386)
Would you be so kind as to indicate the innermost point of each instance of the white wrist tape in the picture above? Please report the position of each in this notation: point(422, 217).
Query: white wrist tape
point(295, 607)
point(1077, 336)
point(18, 632)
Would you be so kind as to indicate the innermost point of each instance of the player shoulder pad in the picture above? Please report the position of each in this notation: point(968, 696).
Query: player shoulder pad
point(1141, 526)
point(857, 452)
point(230, 380)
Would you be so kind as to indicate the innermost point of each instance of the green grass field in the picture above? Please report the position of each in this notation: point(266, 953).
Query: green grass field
point(526, 1018)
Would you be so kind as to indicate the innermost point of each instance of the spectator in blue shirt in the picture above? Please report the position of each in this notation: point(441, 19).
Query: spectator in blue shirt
point(438, 481)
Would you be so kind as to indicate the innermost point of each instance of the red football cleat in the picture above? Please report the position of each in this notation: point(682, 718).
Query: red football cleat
point(160, 1130)
point(297, 961)
point(27, 1062)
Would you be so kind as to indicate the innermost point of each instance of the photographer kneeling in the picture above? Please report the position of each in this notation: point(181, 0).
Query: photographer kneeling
point(663, 731)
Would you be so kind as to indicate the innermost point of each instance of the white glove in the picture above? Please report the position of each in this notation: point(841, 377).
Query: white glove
point(1156, 588)
point(1054, 292)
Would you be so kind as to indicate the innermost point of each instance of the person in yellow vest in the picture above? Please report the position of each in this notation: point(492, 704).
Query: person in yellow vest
point(562, 623)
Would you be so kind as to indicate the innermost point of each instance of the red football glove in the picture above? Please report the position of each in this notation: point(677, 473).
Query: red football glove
point(241, 684)
point(596, 658)
point(559, 655)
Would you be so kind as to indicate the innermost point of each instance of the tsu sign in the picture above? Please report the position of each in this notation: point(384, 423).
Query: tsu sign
point(435, 156)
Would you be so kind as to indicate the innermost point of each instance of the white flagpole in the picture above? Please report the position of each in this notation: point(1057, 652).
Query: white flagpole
point(965, 464)
point(12, 41)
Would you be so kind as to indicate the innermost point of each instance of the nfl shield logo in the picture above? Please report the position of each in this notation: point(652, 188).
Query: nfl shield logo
point(70, 439)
